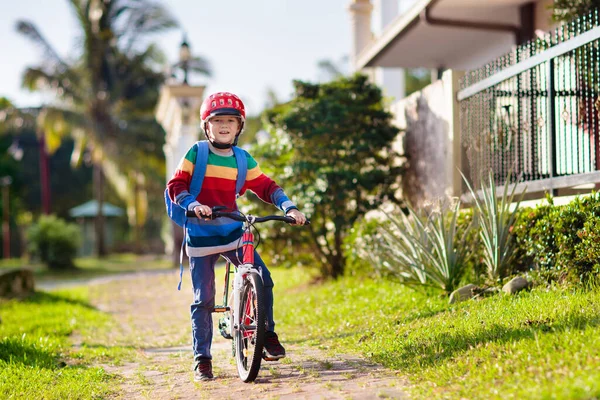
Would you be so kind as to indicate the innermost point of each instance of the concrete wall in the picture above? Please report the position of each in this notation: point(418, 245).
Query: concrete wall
point(543, 15)
point(430, 141)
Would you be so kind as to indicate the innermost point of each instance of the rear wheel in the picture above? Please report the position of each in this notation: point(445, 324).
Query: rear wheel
point(250, 329)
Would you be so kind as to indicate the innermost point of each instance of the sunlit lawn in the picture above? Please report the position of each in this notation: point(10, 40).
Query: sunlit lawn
point(37, 359)
point(543, 344)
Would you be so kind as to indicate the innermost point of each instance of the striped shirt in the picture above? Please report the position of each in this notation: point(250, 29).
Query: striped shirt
point(218, 189)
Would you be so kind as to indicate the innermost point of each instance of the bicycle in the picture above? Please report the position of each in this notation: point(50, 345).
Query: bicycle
point(248, 329)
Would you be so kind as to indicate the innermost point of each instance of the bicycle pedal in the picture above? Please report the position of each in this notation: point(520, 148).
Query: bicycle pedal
point(224, 328)
point(221, 308)
point(226, 335)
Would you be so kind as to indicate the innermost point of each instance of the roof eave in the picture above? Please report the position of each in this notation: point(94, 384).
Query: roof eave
point(398, 28)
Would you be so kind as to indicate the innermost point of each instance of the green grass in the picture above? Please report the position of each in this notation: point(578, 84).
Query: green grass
point(541, 344)
point(37, 359)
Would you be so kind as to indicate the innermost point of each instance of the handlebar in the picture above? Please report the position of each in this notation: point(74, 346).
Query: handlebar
point(217, 212)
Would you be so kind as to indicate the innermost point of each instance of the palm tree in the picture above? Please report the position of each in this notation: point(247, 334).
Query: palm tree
point(105, 98)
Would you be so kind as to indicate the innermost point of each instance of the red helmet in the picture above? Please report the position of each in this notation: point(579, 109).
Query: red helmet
point(222, 103)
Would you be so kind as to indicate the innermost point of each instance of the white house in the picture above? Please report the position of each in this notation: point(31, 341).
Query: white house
point(510, 97)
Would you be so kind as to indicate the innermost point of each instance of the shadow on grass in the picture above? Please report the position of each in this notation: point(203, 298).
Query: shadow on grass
point(425, 353)
point(53, 298)
point(16, 351)
point(421, 315)
point(341, 335)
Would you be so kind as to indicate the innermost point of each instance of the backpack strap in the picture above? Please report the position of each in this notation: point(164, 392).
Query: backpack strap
point(199, 168)
point(195, 188)
point(242, 167)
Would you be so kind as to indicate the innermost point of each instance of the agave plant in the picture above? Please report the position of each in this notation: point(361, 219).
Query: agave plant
point(425, 249)
point(495, 219)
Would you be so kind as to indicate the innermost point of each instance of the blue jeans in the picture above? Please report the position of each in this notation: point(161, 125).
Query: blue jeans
point(202, 270)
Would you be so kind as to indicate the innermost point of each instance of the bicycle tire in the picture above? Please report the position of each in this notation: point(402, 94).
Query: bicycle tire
point(249, 336)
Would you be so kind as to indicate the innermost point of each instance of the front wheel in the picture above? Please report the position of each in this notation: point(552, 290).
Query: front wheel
point(249, 330)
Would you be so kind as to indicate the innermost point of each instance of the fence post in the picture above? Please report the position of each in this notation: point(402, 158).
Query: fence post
point(551, 126)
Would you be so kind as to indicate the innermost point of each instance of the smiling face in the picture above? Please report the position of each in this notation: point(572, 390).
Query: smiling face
point(223, 128)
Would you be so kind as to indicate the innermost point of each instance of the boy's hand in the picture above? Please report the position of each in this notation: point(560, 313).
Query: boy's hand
point(297, 215)
point(203, 212)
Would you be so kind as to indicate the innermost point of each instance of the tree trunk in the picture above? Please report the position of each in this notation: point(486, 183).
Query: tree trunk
point(44, 175)
point(99, 222)
point(137, 227)
point(338, 261)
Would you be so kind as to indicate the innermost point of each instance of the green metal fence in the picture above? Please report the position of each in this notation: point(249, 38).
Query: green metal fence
point(535, 112)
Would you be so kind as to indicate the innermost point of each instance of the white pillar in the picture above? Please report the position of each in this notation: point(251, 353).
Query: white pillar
point(360, 22)
point(178, 112)
point(390, 79)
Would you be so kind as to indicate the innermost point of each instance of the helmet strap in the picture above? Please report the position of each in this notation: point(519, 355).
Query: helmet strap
point(223, 146)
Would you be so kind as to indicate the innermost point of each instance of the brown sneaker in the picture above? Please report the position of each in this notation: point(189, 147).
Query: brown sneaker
point(273, 350)
point(203, 371)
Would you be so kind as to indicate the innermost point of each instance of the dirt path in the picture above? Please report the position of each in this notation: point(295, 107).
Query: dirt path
point(154, 317)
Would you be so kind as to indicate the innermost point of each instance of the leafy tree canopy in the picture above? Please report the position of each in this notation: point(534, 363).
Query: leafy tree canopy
point(566, 10)
point(332, 149)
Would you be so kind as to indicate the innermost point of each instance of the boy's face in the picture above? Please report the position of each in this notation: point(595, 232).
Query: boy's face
point(223, 128)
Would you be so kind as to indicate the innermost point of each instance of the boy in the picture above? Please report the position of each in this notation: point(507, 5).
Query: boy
point(223, 116)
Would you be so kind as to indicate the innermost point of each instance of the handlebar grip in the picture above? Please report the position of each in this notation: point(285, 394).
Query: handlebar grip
point(215, 212)
point(292, 220)
point(190, 213)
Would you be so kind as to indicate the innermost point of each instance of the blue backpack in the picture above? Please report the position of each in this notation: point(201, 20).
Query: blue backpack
point(178, 213)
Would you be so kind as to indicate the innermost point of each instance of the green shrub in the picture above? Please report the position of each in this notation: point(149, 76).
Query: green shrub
point(587, 252)
point(569, 224)
point(475, 269)
point(358, 246)
point(54, 241)
point(536, 242)
point(561, 243)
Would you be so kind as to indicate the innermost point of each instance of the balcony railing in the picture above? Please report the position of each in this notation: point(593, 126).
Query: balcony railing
point(534, 114)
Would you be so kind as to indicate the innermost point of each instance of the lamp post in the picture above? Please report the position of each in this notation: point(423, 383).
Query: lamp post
point(44, 174)
point(185, 56)
point(5, 182)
